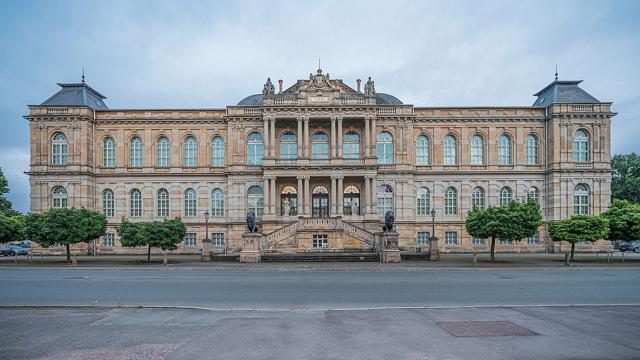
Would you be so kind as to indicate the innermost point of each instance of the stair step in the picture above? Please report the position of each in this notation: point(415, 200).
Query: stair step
point(319, 257)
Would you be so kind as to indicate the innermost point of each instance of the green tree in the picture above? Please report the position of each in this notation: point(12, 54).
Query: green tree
point(5, 204)
point(624, 220)
point(579, 228)
point(165, 235)
point(65, 226)
point(625, 184)
point(511, 222)
point(11, 228)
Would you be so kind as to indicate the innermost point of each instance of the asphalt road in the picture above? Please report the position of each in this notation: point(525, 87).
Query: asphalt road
point(285, 290)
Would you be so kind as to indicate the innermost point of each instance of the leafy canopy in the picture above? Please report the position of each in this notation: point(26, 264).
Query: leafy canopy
point(65, 226)
point(12, 228)
point(579, 228)
point(512, 222)
point(165, 235)
point(624, 220)
point(5, 204)
point(625, 184)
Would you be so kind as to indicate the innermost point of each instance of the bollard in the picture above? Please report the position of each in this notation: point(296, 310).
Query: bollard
point(74, 260)
point(622, 252)
point(566, 259)
point(475, 259)
point(15, 260)
point(165, 260)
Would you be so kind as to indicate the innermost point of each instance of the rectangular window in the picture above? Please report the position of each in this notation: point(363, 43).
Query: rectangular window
point(217, 239)
point(108, 240)
point(451, 238)
point(533, 240)
point(423, 238)
point(190, 240)
point(320, 242)
point(507, 242)
point(478, 241)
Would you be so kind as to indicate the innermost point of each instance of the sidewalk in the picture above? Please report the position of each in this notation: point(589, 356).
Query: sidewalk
point(582, 260)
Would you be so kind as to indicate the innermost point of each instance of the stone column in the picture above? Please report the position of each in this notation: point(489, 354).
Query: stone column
point(340, 138)
point(374, 200)
point(274, 201)
point(307, 197)
point(333, 137)
point(366, 208)
point(265, 191)
point(306, 137)
point(299, 139)
point(332, 199)
point(340, 202)
point(266, 137)
point(300, 196)
point(374, 137)
point(272, 142)
point(367, 133)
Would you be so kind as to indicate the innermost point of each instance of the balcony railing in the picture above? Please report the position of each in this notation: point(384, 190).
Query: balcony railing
point(582, 108)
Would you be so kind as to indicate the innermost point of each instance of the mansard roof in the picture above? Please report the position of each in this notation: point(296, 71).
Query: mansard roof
point(77, 94)
point(563, 91)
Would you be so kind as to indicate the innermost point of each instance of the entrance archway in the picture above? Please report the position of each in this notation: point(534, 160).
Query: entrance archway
point(320, 202)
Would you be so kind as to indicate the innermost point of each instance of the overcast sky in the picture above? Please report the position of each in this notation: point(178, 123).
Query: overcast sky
point(147, 54)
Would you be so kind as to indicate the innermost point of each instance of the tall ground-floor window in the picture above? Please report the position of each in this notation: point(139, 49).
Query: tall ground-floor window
point(384, 199)
point(289, 201)
point(255, 200)
point(351, 200)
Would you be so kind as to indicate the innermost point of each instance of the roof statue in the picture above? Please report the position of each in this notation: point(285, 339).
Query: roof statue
point(268, 89)
point(369, 88)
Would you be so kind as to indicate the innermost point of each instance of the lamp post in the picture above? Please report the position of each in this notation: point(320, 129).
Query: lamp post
point(434, 253)
point(206, 245)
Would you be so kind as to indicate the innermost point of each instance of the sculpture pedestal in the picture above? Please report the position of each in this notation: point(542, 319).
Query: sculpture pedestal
point(390, 252)
point(206, 250)
point(434, 250)
point(250, 248)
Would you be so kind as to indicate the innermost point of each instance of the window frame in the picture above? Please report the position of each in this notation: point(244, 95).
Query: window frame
point(109, 152)
point(451, 201)
point(384, 148)
point(163, 203)
point(422, 150)
point(59, 149)
point(450, 150)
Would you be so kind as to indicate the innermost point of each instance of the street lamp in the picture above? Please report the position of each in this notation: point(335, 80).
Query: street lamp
point(206, 225)
point(433, 223)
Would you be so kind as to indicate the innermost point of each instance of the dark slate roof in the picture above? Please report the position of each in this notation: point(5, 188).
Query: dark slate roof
point(563, 92)
point(251, 100)
point(77, 94)
point(386, 99)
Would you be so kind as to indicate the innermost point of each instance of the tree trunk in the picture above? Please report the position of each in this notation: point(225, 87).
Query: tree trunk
point(493, 249)
point(149, 254)
point(68, 254)
point(573, 248)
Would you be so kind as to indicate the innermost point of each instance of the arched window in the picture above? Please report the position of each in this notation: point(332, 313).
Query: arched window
point(477, 198)
point(217, 202)
point(450, 201)
point(320, 146)
point(504, 150)
point(135, 200)
point(190, 151)
point(505, 196)
point(351, 200)
point(385, 199)
point(135, 152)
point(351, 145)
point(320, 202)
point(422, 150)
point(108, 204)
point(162, 151)
point(531, 150)
point(255, 200)
point(580, 146)
point(217, 151)
point(288, 146)
point(59, 149)
point(163, 203)
point(581, 199)
point(255, 149)
point(190, 198)
point(109, 152)
point(423, 201)
point(59, 197)
point(477, 150)
point(385, 148)
point(288, 201)
point(450, 147)
point(533, 194)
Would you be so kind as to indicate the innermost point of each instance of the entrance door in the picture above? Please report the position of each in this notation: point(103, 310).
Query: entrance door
point(320, 202)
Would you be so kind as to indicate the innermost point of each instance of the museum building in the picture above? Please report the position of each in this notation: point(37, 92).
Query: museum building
point(320, 163)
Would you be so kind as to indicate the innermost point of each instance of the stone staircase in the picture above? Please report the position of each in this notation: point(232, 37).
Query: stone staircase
point(368, 256)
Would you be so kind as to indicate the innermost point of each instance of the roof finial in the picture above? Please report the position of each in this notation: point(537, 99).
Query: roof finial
point(83, 74)
point(556, 72)
point(319, 67)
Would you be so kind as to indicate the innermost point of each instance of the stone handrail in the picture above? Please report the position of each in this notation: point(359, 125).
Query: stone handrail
point(280, 234)
point(319, 223)
point(359, 233)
